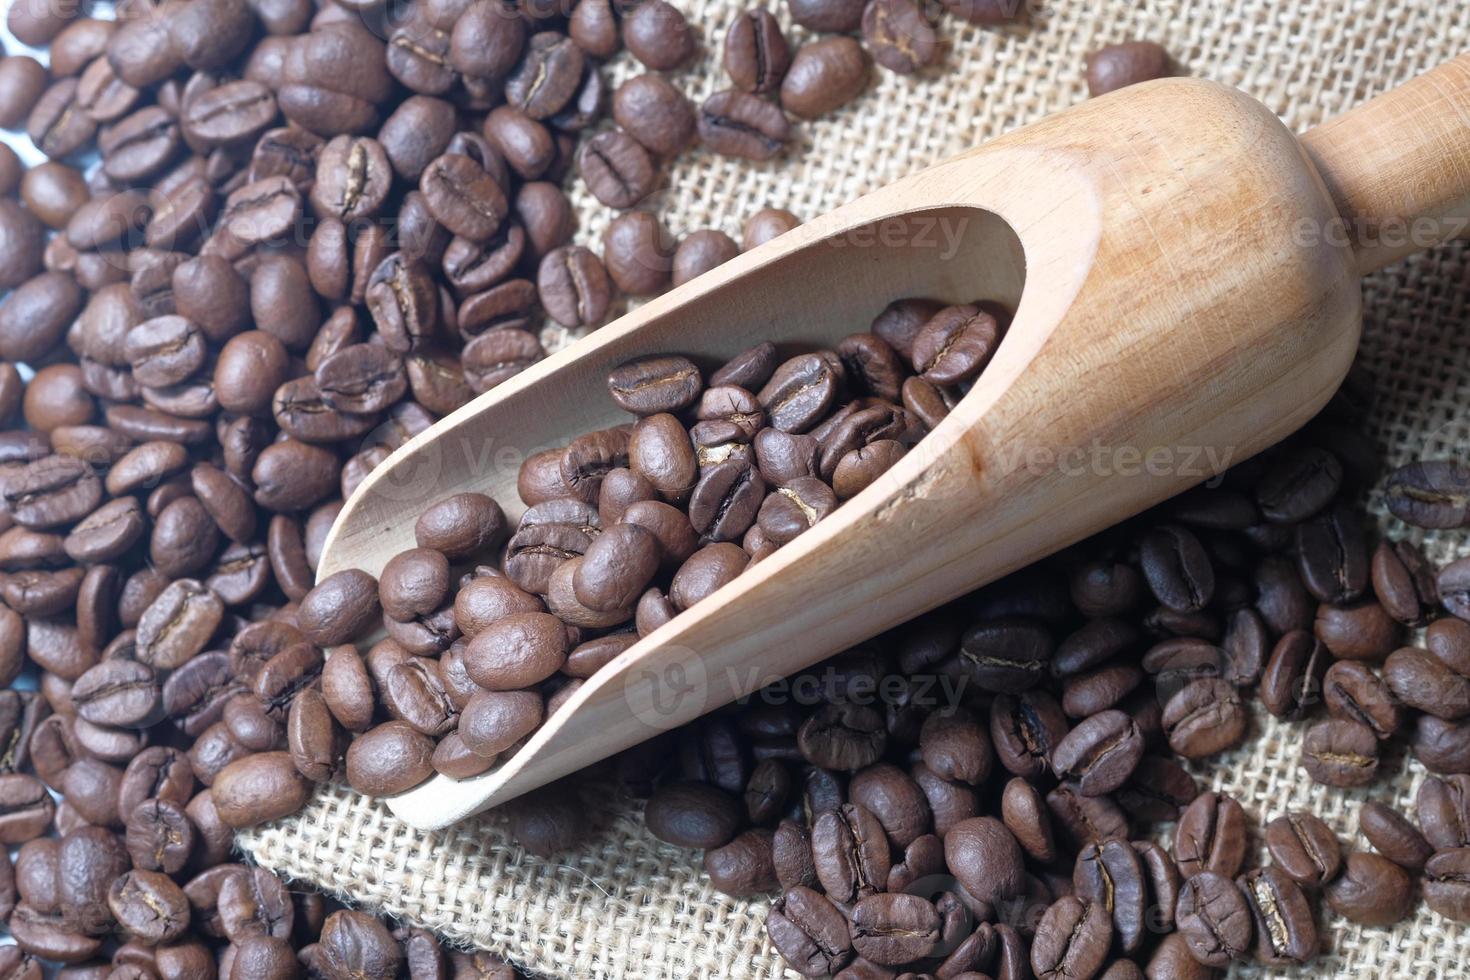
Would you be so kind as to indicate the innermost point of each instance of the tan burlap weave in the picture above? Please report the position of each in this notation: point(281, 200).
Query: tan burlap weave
point(627, 906)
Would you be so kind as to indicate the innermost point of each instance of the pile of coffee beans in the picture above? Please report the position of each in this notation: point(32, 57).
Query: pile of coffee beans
point(978, 793)
point(490, 628)
point(268, 244)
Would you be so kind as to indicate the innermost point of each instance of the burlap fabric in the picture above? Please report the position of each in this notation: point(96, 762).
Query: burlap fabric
point(628, 906)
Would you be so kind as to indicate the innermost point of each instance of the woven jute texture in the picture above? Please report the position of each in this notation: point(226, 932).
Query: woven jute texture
point(625, 905)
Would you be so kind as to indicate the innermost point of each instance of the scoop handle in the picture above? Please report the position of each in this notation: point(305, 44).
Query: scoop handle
point(1398, 167)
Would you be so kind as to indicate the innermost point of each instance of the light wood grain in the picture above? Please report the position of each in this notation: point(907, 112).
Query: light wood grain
point(1171, 320)
point(1398, 166)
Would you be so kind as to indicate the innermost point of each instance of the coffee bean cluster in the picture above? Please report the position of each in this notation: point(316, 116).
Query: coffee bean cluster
point(308, 232)
point(977, 793)
point(490, 628)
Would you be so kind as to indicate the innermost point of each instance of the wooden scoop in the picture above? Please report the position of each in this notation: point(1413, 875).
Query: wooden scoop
point(1185, 276)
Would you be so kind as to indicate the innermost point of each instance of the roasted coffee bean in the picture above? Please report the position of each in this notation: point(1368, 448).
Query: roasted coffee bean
point(177, 625)
point(1177, 568)
point(700, 252)
point(1120, 65)
point(517, 651)
point(823, 76)
point(955, 345)
point(461, 526)
point(348, 688)
point(1447, 884)
point(1072, 940)
point(257, 788)
point(574, 286)
point(1441, 745)
point(1393, 835)
point(1333, 555)
point(254, 902)
point(1360, 631)
point(692, 814)
point(493, 721)
point(1281, 598)
point(844, 737)
point(742, 867)
point(893, 930)
point(1025, 729)
point(23, 79)
point(638, 253)
point(413, 583)
point(657, 34)
point(901, 35)
point(1354, 691)
point(850, 852)
point(160, 836)
point(726, 500)
point(1163, 880)
point(655, 385)
point(654, 113)
point(1421, 680)
point(1204, 717)
point(1291, 684)
point(795, 508)
point(547, 77)
point(1110, 874)
point(956, 747)
point(738, 124)
point(1304, 848)
point(1006, 655)
point(361, 378)
point(1025, 815)
point(756, 54)
point(356, 944)
point(1404, 582)
point(827, 16)
point(1211, 836)
point(1299, 485)
point(1100, 689)
point(791, 851)
point(1372, 890)
point(895, 799)
point(1443, 807)
point(1174, 960)
point(463, 197)
point(1430, 493)
point(149, 905)
point(119, 693)
point(1100, 753)
point(809, 932)
point(1285, 925)
point(1454, 588)
point(1340, 753)
point(986, 859)
point(1214, 918)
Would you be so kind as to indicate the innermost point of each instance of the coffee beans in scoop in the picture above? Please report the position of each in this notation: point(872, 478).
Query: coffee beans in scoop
point(489, 626)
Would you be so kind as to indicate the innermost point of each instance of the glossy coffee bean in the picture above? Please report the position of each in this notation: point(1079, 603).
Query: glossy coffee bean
point(1072, 939)
point(1430, 493)
point(1304, 848)
point(1214, 918)
point(1120, 65)
point(1394, 836)
point(1341, 752)
point(1285, 925)
point(1372, 890)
